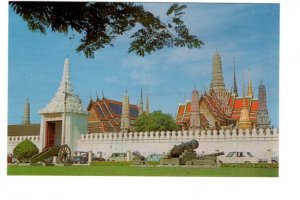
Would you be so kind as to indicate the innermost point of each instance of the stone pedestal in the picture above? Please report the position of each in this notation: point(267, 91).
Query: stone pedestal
point(90, 156)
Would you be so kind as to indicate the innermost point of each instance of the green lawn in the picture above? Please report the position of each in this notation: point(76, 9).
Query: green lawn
point(141, 171)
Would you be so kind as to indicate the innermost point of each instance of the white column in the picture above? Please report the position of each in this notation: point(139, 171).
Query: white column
point(90, 157)
point(42, 133)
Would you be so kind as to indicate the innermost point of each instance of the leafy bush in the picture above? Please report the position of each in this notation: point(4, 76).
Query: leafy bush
point(25, 150)
point(155, 121)
point(250, 165)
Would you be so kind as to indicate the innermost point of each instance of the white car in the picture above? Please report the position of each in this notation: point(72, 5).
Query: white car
point(238, 157)
point(118, 157)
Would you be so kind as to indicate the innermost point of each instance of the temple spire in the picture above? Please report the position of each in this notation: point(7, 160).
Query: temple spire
point(244, 121)
point(26, 115)
point(235, 89)
point(195, 111)
point(250, 91)
point(147, 104)
point(56, 105)
point(125, 117)
point(243, 84)
point(217, 82)
point(141, 109)
point(263, 119)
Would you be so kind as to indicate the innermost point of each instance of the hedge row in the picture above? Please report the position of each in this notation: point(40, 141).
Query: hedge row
point(152, 163)
point(114, 163)
point(250, 165)
point(109, 163)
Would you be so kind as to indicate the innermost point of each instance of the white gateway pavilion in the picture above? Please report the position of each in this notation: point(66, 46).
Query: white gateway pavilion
point(64, 119)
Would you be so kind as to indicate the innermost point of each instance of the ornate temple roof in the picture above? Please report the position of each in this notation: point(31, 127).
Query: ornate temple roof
point(184, 113)
point(108, 107)
point(73, 105)
point(211, 100)
point(252, 106)
point(108, 114)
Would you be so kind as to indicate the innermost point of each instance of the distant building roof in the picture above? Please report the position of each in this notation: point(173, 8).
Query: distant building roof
point(23, 129)
point(105, 115)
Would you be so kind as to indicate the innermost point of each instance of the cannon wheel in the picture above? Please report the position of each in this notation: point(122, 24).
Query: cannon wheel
point(64, 154)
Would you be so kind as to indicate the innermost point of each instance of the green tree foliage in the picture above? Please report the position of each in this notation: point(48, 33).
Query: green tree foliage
point(155, 121)
point(99, 23)
point(25, 150)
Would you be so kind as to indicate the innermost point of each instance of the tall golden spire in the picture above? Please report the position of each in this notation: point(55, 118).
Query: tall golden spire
point(217, 83)
point(250, 91)
point(244, 121)
point(235, 90)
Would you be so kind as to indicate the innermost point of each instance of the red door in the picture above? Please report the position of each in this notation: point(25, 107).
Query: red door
point(50, 134)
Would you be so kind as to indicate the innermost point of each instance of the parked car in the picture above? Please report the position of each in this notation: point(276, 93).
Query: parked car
point(80, 157)
point(154, 157)
point(238, 157)
point(273, 160)
point(119, 157)
point(98, 158)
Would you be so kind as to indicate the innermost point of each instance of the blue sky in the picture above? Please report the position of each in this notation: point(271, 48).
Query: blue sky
point(248, 32)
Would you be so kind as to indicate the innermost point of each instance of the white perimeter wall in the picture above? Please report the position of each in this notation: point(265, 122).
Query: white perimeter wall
point(254, 141)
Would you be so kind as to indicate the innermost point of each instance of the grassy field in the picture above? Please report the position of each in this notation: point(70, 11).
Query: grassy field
point(141, 171)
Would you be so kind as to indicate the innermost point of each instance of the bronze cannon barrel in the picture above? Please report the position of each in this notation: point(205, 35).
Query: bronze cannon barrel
point(179, 149)
point(213, 154)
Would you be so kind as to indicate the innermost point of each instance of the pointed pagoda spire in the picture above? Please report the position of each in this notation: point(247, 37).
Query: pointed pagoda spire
point(125, 117)
point(103, 96)
point(26, 115)
point(250, 91)
point(243, 83)
point(235, 89)
point(217, 83)
point(147, 104)
point(244, 121)
point(263, 119)
point(195, 111)
point(141, 107)
point(73, 102)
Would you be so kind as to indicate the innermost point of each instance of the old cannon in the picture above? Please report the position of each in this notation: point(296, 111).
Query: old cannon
point(211, 155)
point(177, 150)
point(138, 159)
point(207, 160)
point(63, 153)
point(180, 154)
point(137, 155)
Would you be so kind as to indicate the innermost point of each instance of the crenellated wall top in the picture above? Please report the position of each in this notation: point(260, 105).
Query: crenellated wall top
point(225, 134)
point(17, 139)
